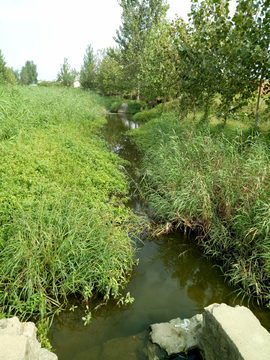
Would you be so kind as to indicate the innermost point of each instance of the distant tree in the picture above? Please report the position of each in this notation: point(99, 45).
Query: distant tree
point(88, 73)
point(16, 73)
point(2, 69)
point(66, 75)
point(24, 76)
point(10, 77)
point(109, 72)
point(31, 70)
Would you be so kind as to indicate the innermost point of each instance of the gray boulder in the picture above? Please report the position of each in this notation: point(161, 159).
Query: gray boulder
point(18, 341)
point(177, 336)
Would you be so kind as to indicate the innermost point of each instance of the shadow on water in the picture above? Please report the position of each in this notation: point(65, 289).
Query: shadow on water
point(173, 279)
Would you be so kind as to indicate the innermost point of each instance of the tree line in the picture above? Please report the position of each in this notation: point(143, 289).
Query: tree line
point(26, 76)
point(212, 54)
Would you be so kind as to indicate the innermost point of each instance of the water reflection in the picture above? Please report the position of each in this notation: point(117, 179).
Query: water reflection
point(173, 279)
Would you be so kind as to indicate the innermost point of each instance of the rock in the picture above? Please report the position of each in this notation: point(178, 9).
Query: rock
point(123, 108)
point(232, 333)
point(178, 335)
point(18, 341)
point(45, 354)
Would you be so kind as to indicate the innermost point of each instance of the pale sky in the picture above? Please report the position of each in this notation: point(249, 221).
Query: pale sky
point(46, 31)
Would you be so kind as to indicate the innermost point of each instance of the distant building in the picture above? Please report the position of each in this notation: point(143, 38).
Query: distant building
point(76, 84)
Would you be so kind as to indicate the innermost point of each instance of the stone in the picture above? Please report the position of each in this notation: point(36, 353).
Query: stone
point(232, 333)
point(123, 108)
point(45, 354)
point(18, 341)
point(177, 336)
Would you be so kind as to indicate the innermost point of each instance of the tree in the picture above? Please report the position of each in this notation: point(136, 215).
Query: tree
point(138, 18)
point(10, 77)
point(16, 73)
point(2, 69)
point(88, 71)
point(24, 76)
point(160, 71)
point(252, 25)
point(66, 75)
point(31, 70)
point(109, 72)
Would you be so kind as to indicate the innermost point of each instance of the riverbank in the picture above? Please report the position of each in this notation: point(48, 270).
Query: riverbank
point(63, 228)
point(217, 184)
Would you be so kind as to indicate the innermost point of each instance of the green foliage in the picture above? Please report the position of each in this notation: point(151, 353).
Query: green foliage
point(63, 225)
point(88, 73)
point(134, 106)
point(24, 76)
point(216, 183)
point(66, 75)
point(6, 74)
point(138, 18)
point(109, 72)
point(31, 69)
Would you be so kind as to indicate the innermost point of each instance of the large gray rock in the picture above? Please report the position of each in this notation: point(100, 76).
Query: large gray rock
point(18, 341)
point(123, 108)
point(232, 333)
point(177, 336)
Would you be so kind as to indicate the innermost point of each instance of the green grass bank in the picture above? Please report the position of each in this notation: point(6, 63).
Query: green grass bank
point(63, 224)
point(218, 184)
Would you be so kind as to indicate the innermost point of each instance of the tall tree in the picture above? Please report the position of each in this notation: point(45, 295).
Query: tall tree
point(31, 70)
point(252, 24)
point(88, 71)
point(24, 76)
point(160, 71)
point(138, 18)
point(66, 75)
point(109, 72)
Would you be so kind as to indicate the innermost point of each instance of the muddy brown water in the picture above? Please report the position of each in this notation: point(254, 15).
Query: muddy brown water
point(173, 279)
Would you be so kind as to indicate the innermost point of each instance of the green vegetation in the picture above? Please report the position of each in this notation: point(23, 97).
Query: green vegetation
point(6, 74)
point(66, 76)
point(216, 183)
point(63, 225)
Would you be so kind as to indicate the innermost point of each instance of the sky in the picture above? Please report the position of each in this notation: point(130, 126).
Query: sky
point(47, 31)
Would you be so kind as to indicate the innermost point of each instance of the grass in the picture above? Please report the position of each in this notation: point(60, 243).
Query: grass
point(113, 104)
point(217, 183)
point(63, 224)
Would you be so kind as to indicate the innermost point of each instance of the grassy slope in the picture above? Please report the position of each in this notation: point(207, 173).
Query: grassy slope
point(217, 183)
point(59, 234)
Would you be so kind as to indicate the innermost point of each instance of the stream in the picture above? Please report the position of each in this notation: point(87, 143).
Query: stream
point(173, 279)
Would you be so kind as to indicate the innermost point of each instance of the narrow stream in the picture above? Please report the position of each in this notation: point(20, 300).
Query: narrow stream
point(173, 279)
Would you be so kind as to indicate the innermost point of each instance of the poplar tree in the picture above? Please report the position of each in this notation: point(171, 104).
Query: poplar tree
point(138, 18)
point(88, 73)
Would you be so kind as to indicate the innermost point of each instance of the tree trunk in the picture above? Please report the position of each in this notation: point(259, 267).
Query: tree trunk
point(164, 102)
point(226, 116)
point(138, 91)
point(194, 110)
point(258, 100)
point(206, 110)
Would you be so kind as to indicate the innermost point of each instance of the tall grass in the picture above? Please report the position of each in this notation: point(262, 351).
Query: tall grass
point(216, 183)
point(63, 224)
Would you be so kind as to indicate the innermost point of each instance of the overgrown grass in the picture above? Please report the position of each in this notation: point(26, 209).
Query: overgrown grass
point(63, 226)
point(217, 183)
point(113, 104)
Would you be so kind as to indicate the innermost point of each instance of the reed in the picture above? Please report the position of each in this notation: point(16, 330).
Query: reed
point(217, 183)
